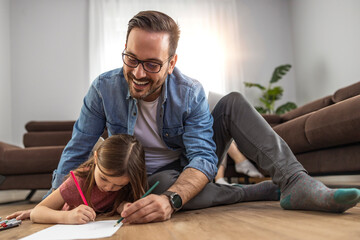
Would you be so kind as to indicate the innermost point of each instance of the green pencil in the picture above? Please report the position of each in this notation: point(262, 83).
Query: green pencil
point(147, 193)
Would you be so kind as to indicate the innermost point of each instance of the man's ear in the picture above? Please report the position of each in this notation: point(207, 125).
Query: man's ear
point(172, 64)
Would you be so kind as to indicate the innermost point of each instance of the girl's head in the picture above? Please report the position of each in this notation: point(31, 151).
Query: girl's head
point(119, 161)
point(118, 164)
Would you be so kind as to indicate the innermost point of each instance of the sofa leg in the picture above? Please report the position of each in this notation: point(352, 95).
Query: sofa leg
point(2, 179)
point(29, 196)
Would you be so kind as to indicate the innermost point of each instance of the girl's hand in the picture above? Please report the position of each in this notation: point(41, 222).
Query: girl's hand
point(80, 215)
point(20, 215)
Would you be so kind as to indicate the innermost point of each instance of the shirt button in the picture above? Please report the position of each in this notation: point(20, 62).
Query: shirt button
point(166, 134)
point(134, 113)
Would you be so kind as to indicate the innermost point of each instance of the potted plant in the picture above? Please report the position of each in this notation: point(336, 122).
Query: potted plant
point(271, 94)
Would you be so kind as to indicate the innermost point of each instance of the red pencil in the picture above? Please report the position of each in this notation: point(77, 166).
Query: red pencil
point(79, 189)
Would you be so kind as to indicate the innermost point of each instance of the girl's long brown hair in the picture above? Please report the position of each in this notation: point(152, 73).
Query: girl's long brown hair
point(122, 155)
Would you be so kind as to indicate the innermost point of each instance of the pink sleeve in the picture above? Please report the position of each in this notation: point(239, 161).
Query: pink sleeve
point(70, 193)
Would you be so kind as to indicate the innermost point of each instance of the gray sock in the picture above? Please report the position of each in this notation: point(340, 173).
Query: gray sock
point(306, 193)
point(265, 191)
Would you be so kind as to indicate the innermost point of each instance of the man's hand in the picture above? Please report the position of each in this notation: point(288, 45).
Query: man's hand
point(20, 215)
point(153, 208)
point(156, 208)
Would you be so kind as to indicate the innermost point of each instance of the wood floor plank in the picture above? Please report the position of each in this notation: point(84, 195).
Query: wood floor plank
point(253, 220)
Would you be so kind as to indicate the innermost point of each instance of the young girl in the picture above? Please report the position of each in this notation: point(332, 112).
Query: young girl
point(113, 176)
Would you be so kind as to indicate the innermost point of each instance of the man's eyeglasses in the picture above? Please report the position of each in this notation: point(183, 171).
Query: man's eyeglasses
point(149, 66)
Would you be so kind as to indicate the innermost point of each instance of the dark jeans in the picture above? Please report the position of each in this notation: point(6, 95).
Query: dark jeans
point(235, 118)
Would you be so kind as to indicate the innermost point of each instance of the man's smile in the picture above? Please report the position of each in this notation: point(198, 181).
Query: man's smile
point(140, 85)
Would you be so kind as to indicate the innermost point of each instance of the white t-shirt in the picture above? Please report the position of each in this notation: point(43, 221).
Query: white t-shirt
point(157, 154)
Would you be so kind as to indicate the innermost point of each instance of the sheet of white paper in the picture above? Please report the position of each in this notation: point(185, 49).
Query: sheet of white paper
point(99, 229)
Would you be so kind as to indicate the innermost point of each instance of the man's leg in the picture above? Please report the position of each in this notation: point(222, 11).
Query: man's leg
point(235, 118)
point(218, 194)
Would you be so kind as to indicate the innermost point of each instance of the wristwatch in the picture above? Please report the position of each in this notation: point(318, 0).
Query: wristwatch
point(175, 200)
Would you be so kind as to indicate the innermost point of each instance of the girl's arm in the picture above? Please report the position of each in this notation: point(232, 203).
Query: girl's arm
point(49, 211)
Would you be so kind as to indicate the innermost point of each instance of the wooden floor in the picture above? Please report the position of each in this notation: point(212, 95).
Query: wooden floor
point(252, 220)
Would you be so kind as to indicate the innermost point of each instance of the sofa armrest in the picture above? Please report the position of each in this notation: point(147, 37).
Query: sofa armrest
point(346, 92)
point(272, 119)
point(307, 108)
point(6, 147)
point(15, 161)
point(331, 126)
point(335, 125)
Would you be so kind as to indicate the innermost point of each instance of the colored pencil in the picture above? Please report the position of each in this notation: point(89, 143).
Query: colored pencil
point(147, 193)
point(79, 189)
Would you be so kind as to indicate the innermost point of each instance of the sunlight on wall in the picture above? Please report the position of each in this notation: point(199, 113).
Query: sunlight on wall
point(201, 56)
point(208, 49)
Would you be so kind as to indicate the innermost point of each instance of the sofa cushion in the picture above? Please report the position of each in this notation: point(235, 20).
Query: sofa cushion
point(307, 108)
point(346, 92)
point(37, 139)
point(294, 135)
point(42, 126)
point(335, 125)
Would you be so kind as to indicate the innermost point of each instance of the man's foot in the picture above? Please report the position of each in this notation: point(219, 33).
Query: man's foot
point(247, 168)
point(305, 193)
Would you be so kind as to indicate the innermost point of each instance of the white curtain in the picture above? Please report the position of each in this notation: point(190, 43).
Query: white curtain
point(209, 45)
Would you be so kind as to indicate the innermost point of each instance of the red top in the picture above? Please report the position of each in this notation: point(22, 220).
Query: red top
point(101, 201)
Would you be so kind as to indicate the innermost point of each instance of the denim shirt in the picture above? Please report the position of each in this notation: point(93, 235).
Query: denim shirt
point(184, 121)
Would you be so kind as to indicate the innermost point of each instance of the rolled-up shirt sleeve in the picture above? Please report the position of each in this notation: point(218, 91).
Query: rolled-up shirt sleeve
point(198, 134)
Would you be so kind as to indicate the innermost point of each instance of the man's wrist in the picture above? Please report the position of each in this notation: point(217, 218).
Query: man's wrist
point(174, 200)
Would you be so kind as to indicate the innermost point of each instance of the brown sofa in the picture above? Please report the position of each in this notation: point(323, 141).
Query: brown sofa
point(31, 167)
point(324, 134)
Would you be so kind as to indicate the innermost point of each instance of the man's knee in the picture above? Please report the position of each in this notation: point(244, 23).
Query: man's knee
point(228, 103)
point(166, 179)
point(233, 98)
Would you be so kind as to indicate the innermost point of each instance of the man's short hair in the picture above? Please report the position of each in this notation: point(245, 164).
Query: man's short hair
point(154, 21)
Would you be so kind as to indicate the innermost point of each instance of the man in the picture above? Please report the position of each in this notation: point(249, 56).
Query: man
point(168, 112)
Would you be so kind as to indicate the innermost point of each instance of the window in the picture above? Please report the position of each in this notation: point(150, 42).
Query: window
point(208, 48)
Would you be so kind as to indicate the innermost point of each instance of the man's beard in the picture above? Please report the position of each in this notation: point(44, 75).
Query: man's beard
point(130, 77)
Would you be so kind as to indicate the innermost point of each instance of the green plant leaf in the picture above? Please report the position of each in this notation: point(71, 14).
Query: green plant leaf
point(279, 72)
point(248, 84)
point(261, 110)
point(285, 108)
point(266, 102)
point(273, 93)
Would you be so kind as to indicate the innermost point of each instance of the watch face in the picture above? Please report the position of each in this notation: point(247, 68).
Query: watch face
point(176, 200)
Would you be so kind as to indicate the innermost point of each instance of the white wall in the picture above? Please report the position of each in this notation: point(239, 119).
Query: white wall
point(49, 56)
point(326, 37)
point(5, 80)
point(266, 43)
